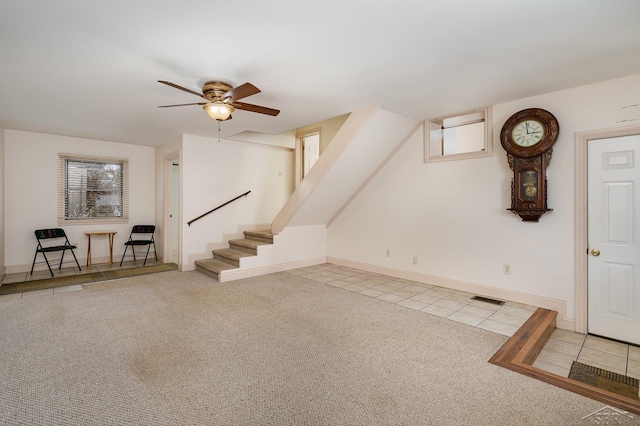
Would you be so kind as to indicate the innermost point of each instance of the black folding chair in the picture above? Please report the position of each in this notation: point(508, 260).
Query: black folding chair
point(56, 235)
point(141, 235)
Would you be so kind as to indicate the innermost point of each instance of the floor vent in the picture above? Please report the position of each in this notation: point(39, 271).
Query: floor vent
point(487, 300)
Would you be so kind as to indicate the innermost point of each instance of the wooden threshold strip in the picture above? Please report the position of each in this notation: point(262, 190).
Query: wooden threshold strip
point(521, 350)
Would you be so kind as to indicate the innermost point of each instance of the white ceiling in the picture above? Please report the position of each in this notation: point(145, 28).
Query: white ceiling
point(90, 68)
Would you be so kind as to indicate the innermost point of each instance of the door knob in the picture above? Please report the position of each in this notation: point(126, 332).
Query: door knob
point(595, 252)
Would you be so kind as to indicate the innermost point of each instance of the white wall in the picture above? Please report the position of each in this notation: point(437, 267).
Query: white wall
point(362, 144)
point(282, 140)
point(328, 129)
point(215, 172)
point(31, 187)
point(452, 215)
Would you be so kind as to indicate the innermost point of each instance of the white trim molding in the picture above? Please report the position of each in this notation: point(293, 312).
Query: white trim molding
point(581, 237)
point(238, 274)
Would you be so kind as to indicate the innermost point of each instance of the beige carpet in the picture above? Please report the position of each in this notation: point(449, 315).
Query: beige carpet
point(179, 348)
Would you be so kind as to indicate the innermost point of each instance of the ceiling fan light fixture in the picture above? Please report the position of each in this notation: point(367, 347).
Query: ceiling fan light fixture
point(218, 110)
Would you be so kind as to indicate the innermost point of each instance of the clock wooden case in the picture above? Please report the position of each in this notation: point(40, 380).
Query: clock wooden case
point(528, 137)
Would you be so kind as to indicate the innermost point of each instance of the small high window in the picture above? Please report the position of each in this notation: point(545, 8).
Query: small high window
point(458, 136)
point(92, 190)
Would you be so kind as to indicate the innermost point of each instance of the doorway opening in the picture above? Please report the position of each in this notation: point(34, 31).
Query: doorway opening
point(171, 241)
point(175, 212)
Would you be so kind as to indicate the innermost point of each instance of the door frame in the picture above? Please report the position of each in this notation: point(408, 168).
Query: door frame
point(581, 221)
point(298, 156)
point(167, 240)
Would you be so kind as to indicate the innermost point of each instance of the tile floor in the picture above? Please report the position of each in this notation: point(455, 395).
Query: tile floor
point(443, 302)
point(64, 272)
point(563, 347)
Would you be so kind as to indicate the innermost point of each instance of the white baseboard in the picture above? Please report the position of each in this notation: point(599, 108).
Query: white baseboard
point(237, 274)
point(557, 305)
point(187, 267)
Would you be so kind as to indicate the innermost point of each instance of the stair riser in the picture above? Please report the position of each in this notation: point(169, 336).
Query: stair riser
point(224, 259)
point(264, 237)
point(207, 272)
point(244, 249)
point(258, 238)
point(232, 258)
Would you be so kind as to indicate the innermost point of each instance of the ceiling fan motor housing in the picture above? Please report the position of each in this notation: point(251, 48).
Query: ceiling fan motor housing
point(215, 89)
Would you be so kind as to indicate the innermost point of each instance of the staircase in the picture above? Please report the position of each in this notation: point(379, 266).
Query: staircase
point(229, 258)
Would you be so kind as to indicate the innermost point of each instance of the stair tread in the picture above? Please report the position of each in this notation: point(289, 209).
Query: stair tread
point(229, 258)
point(248, 243)
point(231, 253)
point(214, 265)
point(266, 234)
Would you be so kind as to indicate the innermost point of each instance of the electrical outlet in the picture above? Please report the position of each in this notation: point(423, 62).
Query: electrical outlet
point(506, 269)
point(388, 252)
point(415, 260)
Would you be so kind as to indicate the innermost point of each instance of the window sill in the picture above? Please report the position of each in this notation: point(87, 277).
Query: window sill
point(92, 221)
point(462, 156)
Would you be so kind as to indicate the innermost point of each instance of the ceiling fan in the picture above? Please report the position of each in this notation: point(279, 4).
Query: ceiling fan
point(222, 99)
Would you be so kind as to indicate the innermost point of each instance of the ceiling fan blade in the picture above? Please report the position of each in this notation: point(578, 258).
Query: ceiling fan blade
point(241, 91)
point(184, 89)
point(176, 105)
point(256, 108)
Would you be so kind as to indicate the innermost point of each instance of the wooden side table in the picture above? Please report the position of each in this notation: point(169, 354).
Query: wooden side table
point(110, 235)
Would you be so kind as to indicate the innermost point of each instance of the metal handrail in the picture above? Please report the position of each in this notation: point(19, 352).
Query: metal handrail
point(220, 206)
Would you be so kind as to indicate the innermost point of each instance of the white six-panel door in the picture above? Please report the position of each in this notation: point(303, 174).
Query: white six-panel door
point(614, 237)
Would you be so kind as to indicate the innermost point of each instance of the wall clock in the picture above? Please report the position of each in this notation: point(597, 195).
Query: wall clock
point(528, 137)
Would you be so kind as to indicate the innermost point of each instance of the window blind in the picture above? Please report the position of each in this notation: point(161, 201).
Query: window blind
point(92, 189)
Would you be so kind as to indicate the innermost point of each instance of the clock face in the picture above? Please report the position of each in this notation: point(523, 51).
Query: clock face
point(527, 133)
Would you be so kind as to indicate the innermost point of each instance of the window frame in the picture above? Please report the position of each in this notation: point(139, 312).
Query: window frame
point(486, 151)
point(63, 160)
point(299, 152)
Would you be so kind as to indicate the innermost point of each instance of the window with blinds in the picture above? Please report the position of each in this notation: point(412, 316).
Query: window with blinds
point(92, 190)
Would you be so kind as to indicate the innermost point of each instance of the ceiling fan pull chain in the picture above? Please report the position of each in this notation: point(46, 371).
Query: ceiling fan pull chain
point(218, 130)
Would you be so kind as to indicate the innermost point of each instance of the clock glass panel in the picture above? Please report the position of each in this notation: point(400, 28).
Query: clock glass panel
point(528, 185)
point(527, 133)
